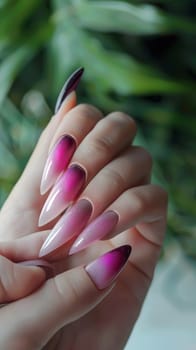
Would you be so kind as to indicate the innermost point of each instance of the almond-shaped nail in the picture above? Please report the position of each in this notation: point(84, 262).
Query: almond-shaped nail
point(69, 86)
point(58, 159)
point(46, 266)
point(97, 229)
point(104, 270)
point(65, 191)
point(70, 224)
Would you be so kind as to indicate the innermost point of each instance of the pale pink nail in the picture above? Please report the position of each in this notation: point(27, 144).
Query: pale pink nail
point(45, 265)
point(100, 227)
point(104, 270)
point(66, 189)
point(71, 224)
point(57, 161)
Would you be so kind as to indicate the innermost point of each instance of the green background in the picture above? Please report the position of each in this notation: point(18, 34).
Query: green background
point(139, 57)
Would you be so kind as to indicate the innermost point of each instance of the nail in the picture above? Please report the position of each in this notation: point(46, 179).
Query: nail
point(69, 86)
point(71, 224)
point(66, 189)
point(104, 270)
point(100, 227)
point(46, 266)
point(35, 262)
point(57, 161)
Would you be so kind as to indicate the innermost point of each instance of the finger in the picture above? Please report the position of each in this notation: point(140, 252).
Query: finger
point(26, 194)
point(83, 115)
point(142, 207)
point(32, 174)
point(61, 300)
point(130, 169)
point(24, 248)
point(111, 182)
point(17, 281)
point(67, 137)
point(98, 148)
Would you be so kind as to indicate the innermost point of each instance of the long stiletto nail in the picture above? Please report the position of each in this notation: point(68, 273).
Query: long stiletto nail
point(71, 224)
point(104, 270)
point(100, 227)
point(69, 86)
point(66, 189)
point(58, 160)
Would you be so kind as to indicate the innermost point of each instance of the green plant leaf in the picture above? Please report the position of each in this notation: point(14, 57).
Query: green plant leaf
point(10, 67)
point(114, 71)
point(122, 17)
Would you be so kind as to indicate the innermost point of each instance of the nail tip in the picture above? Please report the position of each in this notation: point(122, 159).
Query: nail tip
point(70, 85)
point(125, 250)
point(41, 222)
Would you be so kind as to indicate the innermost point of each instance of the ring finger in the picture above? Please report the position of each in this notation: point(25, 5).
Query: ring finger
point(111, 183)
point(106, 140)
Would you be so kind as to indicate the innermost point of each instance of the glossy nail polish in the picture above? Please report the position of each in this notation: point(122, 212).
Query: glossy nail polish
point(70, 224)
point(104, 270)
point(66, 189)
point(69, 86)
point(57, 161)
point(97, 229)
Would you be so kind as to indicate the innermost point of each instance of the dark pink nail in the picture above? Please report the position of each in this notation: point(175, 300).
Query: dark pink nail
point(104, 270)
point(57, 161)
point(66, 189)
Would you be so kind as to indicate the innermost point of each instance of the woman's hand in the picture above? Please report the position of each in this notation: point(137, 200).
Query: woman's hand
point(112, 176)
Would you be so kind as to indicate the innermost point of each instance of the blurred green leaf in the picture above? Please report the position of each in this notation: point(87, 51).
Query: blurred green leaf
point(119, 16)
point(10, 67)
point(14, 14)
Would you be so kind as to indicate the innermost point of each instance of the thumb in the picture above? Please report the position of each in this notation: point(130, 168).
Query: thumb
point(17, 281)
point(62, 300)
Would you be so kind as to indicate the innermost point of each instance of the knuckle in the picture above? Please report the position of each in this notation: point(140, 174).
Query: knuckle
point(103, 145)
point(88, 111)
point(138, 200)
point(124, 118)
point(62, 286)
point(117, 180)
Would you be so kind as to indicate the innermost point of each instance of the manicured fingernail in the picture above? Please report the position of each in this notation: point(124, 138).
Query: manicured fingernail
point(35, 262)
point(104, 270)
point(46, 266)
point(66, 189)
point(71, 224)
point(69, 86)
point(100, 227)
point(57, 161)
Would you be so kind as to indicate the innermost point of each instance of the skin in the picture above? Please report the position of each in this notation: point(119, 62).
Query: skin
point(68, 311)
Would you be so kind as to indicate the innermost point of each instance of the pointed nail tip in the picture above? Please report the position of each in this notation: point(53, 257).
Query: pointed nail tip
point(70, 85)
point(43, 190)
point(41, 222)
point(125, 250)
point(72, 251)
point(41, 254)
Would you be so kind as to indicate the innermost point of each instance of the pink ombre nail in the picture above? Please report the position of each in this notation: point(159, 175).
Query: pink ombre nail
point(97, 229)
point(104, 270)
point(66, 189)
point(71, 224)
point(57, 161)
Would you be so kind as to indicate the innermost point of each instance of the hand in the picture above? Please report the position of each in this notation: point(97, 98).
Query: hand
point(68, 311)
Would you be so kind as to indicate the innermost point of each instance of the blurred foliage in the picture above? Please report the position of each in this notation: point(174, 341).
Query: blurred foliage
point(139, 57)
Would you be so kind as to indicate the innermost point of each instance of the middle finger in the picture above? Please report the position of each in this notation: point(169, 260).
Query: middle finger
point(108, 138)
